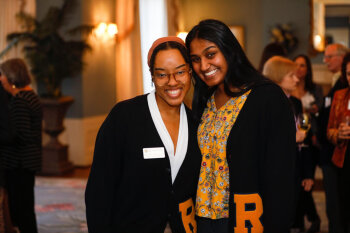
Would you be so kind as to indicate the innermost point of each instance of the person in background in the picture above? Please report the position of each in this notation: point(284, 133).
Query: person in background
point(246, 135)
point(146, 160)
point(333, 57)
point(270, 50)
point(311, 97)
point(338, 133)
point(5, 138)
point(22, 158)
point(282, 71)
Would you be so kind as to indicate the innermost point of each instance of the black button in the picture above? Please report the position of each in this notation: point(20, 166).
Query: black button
point(168, 170)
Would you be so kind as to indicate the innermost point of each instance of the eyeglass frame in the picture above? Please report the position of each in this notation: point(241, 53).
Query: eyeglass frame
point(330, 56)
point(166, 79)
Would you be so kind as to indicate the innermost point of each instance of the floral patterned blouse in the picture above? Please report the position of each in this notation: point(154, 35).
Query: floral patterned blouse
point(213, 186)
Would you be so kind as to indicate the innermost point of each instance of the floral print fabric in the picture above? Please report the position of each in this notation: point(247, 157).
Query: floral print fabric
point(213, 186)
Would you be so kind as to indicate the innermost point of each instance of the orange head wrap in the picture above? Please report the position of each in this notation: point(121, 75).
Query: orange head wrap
point(161, 41)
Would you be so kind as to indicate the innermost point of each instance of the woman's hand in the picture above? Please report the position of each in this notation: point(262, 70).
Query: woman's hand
point(343, 131)
point(307, 184)
point(300, 136)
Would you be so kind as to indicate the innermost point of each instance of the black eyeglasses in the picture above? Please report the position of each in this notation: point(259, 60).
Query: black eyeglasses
point(180, 76)
point(330, 56)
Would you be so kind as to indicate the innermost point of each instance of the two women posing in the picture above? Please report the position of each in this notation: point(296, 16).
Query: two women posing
point(148, 171)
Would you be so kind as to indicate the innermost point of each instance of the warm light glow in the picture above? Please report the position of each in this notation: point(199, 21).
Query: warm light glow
point(112, 29)
point(101, 28)
point(318, 33)
point(106, 31)
point(182, 35)
point(317, 39)
point(318, 43)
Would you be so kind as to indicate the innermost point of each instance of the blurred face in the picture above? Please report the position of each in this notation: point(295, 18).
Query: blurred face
point(208, 62)
point(289, 82)
point(348, 72)
point(171, 78)
point(301, 68)
point(332, 59)
point(5, 83)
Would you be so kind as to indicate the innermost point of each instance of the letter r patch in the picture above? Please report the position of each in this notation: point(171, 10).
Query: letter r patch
point(187, 214)
point(249, 209)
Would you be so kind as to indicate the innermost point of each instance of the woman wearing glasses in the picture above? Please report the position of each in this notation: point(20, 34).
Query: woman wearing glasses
point(246, 136)
point(146, 160)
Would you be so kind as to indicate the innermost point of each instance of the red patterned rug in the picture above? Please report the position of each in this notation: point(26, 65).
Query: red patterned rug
point(59, 205)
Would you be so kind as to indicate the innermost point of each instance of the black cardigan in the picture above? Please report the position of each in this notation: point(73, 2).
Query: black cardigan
point(5, 128)
point(126, 193)
point(261, 157)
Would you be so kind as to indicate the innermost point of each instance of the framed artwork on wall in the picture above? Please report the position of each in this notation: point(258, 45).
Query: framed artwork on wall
point(238, 31)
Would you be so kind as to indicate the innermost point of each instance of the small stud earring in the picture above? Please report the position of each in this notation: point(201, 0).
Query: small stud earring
point(13, 86)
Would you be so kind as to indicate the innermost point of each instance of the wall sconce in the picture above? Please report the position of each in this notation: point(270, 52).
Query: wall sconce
point(318, 43)
point(106, 31)
point(182, 35)
point(317, 35)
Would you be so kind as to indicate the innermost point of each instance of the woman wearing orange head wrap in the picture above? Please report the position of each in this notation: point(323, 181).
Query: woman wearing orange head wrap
point(146, 160)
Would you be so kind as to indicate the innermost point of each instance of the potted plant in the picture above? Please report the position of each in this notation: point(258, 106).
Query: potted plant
point(52, 58)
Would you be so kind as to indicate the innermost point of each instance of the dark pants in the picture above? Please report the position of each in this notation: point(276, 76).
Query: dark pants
point(344, 193)
point(20, 187)
point(310, 207)
point(206, 225)
point(306, 206)
point(330, 182)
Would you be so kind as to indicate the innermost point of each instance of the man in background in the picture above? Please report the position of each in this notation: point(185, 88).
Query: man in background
point(333, 57)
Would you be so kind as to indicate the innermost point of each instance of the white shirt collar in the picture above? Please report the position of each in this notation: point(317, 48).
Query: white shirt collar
point(182, 141)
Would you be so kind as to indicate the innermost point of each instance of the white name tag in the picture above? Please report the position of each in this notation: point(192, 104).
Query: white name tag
point(327, 102)
point(349, 105)
point(153, 153)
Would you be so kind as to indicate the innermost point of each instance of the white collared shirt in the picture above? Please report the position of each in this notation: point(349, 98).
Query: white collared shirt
point(177, 158)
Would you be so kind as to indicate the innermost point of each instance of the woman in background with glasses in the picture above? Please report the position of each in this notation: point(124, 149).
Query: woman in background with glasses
point(146, 161)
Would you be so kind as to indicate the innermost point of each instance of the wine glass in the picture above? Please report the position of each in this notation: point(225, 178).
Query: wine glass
point(304, 124)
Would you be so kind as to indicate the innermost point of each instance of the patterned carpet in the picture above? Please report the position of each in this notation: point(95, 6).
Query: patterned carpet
point(60, 205)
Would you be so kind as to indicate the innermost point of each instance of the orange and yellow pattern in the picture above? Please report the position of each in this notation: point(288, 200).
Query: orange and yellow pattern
point(213, 187)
